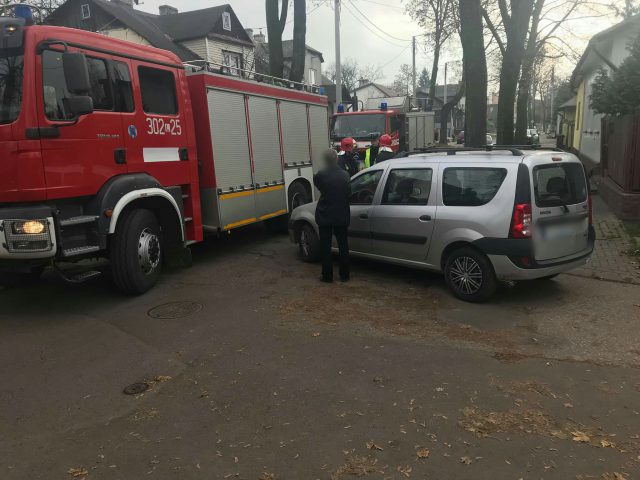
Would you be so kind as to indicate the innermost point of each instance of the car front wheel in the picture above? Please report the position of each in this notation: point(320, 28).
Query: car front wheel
point(469, 274)
point(309, 244)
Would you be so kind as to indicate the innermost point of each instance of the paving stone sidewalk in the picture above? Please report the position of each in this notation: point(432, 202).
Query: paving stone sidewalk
point(610, 260)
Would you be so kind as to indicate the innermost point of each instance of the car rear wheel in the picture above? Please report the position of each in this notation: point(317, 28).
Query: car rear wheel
point(469, 274)
point(309, 244)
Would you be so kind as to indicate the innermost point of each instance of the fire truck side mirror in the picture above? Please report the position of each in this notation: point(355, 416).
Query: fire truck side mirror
point(79, 105)
point(76, 73)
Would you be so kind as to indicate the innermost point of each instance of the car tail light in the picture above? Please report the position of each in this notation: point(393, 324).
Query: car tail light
point(590, 210)
point(522, 221)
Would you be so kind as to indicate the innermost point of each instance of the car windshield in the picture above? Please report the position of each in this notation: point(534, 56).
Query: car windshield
point(11, 66)
point(358, 126)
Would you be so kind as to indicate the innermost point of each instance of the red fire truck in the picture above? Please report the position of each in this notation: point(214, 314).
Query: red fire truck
point(115, 150)
point(409, 130)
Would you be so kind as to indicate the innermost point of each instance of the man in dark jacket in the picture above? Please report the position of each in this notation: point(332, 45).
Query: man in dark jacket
point(333, 214)
point(385, 152)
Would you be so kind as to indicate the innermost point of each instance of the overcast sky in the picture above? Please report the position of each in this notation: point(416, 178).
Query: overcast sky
point(361, 34)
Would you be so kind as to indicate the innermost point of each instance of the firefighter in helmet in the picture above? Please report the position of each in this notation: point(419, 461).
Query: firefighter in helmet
point(371, 154)
point(385, 152)
point(346, 158)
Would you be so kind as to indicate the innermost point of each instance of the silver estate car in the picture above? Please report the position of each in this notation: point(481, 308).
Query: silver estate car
point(479, 217)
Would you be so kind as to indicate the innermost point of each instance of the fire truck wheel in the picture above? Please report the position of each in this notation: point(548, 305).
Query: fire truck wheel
point(309, 244)
point(298, 196)
point(136, 252)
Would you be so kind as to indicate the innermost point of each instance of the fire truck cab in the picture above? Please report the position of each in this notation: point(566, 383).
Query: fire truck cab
point(100, 153)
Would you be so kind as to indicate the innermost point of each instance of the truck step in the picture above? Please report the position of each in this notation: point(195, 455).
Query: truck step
point(74, 252)
point(188, 219)
point(78, 277)
point(67, 222)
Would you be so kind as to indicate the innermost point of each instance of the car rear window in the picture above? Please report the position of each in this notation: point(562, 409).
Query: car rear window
point(471, 186)
point(559, 184)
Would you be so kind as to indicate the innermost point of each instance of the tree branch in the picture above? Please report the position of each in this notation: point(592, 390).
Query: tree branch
point(494, 31)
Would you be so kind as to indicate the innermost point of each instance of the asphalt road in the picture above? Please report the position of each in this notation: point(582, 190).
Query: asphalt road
point(264, 373)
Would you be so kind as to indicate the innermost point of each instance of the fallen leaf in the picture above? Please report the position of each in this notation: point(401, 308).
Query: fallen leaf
point(315, 334)
point(466, 460)
point(78, 472)
point(162, 378)
point(422, 452)
point(372, 446)
point(606, 443)
point(579, 436)
point(568, 405)
point(406, 470)
point(267, 476)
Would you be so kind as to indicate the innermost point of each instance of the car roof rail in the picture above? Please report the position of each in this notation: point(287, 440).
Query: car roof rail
point(515, 150)
point(532, 147)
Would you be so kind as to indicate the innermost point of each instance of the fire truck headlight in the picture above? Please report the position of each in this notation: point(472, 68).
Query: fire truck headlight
point(29, 227)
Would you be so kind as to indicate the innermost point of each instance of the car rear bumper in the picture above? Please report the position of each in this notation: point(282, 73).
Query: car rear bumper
point(515, 259)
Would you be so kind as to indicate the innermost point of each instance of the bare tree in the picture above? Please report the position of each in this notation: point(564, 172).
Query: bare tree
point(352, 72)
point(299, 40)
point(440, 20)
point(475, 66)
point(402, 81)
point(41, 8)
point(276, 21)
point(515, 17)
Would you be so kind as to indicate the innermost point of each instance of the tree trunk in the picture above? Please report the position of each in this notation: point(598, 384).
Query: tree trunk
point(516, 26)
point(434, 72)
point(445, 113)
point(275, 26)
point(299, 40)
point(526, 78)
point(475, 66)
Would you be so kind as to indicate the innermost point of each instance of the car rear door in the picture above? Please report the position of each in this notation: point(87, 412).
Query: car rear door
point(560, 206)
point(402, 223)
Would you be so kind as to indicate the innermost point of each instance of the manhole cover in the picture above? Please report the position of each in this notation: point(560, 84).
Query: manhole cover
point(175, 310)
point(136, 388)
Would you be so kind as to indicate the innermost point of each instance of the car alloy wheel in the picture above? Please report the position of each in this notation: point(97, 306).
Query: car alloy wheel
point(466, 275)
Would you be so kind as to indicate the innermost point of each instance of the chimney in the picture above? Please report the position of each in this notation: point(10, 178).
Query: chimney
point(259, 37)
point(167, 10)
point(362, 82)
point(128, 3)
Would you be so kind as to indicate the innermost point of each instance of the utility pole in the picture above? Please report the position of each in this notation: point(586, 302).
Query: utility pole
point(413, 46)
point(446, 134)
point(338, 66)
point(552, 120)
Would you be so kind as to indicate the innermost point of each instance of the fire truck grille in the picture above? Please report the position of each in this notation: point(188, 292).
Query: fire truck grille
point(26, 243)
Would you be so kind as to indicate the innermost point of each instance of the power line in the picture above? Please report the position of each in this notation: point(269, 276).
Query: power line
point(367, 27)
point(376, 26)
point(383, 4)
point(393, 59)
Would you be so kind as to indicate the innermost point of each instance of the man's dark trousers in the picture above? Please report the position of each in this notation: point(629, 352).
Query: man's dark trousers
point(325, 249)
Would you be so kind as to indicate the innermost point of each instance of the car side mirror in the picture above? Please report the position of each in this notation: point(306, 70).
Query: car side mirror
point(79, 105)
point(76, 73)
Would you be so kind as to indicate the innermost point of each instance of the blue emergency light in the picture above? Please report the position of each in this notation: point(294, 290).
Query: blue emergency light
point(24, 11)
point(383, 106)
point(341, 108)
point(321, 91)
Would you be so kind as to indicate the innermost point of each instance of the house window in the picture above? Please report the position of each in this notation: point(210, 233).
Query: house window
point(232, 63)
point(158, 90)
point(226, 21)
point(313, 76)
point(86, 11)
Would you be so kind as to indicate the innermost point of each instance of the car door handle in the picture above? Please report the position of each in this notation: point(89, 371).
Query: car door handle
point(425, 218)
point(363, 216)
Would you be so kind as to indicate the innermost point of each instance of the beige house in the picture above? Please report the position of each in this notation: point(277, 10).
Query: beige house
point(213, 34)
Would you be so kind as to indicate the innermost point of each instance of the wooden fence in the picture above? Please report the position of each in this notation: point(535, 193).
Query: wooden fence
point(620, 155)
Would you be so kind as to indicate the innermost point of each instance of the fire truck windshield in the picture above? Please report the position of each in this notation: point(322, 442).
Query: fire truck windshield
point(361, 126)
point(11, 66)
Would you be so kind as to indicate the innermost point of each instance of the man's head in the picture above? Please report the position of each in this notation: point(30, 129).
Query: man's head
point(375, 142)
point(330, 157)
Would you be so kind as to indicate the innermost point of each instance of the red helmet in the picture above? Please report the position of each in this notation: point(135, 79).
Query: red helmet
point(346, 145)
point(385, 140)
